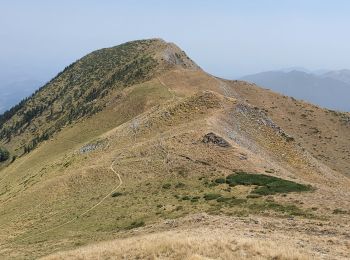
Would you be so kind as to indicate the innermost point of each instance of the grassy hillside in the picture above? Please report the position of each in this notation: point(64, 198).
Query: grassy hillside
point(174, 151)
point(83, 89)
point(322, 132)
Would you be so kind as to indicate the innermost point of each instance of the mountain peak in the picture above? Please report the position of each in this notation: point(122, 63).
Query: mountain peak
point(85, 86)
point(166, 53)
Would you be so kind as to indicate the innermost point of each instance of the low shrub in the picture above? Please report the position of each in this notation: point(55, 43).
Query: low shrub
point(180, 185)
point(339, 211)
point(4, 155)
point(136, 224)
point(223, 199)
point(116, 194)
point(253, 196)
point(268, 185)
point(234, 201)
point(220, 180)
point(166, 186)
point(288, 209)
point(212, 184)
point(195, 199)
point(211, 196)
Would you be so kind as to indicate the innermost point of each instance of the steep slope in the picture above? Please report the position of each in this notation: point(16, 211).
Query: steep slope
point(326, 91)
point(84, 88)
point(322, 132)
point(175, 151)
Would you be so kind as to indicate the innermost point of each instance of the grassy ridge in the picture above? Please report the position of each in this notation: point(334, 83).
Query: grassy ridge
point(81, 90)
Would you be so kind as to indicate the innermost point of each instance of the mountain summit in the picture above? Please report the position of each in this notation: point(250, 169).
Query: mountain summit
point(86, 86)
point(137, 144)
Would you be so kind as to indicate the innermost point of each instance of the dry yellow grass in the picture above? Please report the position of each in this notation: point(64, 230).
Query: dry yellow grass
point(200, 244)
point(322, 132)
point(203, 236)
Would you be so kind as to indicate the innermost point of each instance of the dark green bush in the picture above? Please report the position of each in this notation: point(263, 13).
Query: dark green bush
point(339, 211)
point(116, 194)
point(195, 199)
point(291, 210)
point(166, 186)
point(253, 196)
point(212, 184)
point(4, 155)
point(13, 158)
point(211, 196)
point(186, 197)
point(220, 180)
point(223, 199)
point(267, 184)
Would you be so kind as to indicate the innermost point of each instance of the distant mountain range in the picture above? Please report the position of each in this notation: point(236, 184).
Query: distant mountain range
point(330, 89)
point(341, 75)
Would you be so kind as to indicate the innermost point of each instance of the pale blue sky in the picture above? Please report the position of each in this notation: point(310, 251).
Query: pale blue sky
point(226, 38)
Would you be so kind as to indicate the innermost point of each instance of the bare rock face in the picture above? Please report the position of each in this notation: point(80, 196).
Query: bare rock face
point(215, 139)
point(175, 56)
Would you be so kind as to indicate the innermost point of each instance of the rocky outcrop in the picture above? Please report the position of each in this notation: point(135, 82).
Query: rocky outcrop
point(215, 139)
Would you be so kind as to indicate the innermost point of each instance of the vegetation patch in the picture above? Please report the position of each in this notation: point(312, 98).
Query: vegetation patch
point(211, 196)
point(195, 199)
point(220, 180)
point(166, 186)
point(289, 209)
point(186, 198)
point(4, 155)
point(253, 196)
point(267, 185)
point(340, 211)
point(223, 199)
point(116, 194)
point(180, 185)
point(136, 224)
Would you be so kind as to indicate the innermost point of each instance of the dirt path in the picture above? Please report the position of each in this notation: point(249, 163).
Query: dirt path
point(120, 182)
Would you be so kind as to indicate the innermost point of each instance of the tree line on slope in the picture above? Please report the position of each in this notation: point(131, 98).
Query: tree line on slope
point(73, 90)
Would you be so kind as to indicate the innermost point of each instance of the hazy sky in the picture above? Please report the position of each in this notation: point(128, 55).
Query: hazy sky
point(226, 38)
